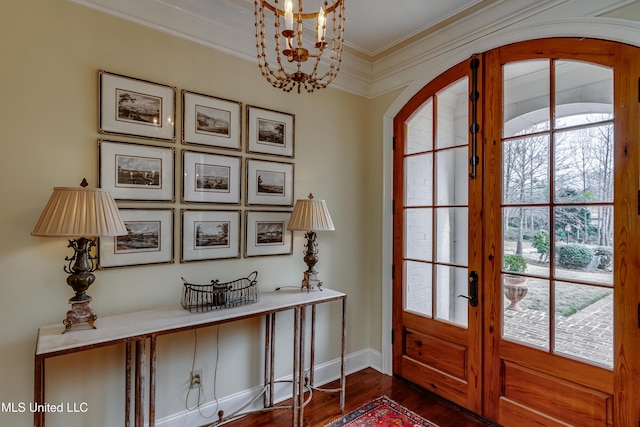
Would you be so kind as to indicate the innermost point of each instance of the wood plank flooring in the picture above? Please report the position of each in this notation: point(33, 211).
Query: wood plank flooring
point(363, 386)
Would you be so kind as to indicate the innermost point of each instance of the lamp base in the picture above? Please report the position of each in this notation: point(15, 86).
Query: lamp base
point(79, 314)
point(311, 281)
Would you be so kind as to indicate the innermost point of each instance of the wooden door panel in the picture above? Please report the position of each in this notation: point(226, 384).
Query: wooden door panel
point(441, 383)
point(556, 398)
point(439, 354)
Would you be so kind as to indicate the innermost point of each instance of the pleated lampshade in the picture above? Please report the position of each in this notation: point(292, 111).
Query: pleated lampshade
point(80, 212)
point(310, 215)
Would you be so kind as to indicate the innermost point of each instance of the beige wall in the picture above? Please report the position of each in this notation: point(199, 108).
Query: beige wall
point(51, 53)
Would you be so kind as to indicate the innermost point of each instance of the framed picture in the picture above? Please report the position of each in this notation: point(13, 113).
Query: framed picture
point(150, 239)
point(137, 172)
point(269, 183)
point(208, 235)
point(211, 121)
point(266, 234)
point(212, 178)
point(270, 132)
point(136, 107)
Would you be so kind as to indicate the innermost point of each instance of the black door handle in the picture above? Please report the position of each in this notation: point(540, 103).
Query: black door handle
point(473, 289)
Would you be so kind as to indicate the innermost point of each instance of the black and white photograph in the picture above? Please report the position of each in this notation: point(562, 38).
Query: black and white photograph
point(136, 171)
point(269, 183)
point(139, 108)
point(150, 239)
point(270, 132)
point(211, 121)
point(269, 233)
point(136, 107)
point(144, 236)
point(212, 178)
point(209, 235)
point(266, 233)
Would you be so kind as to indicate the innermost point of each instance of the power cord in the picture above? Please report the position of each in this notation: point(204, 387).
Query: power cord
point(201, 396)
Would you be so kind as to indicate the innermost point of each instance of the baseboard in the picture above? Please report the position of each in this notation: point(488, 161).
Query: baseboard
point(323, 374)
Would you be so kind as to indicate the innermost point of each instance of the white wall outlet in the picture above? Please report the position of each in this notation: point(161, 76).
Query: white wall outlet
point(195, 379)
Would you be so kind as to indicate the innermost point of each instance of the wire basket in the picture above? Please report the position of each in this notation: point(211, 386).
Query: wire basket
point(215, 296)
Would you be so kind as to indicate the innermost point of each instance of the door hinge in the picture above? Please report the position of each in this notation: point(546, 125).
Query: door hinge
point(393, 336)
point(639, 96)
point(638, 202)
point(638, 320)
point(394, 143)
point(393, 271)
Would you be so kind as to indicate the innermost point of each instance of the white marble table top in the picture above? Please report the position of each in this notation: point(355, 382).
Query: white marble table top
point(164, 320)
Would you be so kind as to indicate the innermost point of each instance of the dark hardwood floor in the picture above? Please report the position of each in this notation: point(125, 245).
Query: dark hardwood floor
point(363, 386)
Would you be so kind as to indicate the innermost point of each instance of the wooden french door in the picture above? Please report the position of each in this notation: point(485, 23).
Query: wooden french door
point(438, 237)
point(549, 222)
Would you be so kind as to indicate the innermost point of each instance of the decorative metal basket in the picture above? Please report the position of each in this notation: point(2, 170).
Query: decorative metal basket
point(215, 296)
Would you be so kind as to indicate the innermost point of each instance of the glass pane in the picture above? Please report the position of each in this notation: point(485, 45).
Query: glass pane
point(526, 242)
point(584, 243)
point(584, 164)
point(452, 235)
point(452, 177)
point(418, 287)
point(525, 169)
point(420, 129)
point(526, 311)
point(418, 231)
point(584, 322)
point(453, 115)
point(418, 180)
point(584, 93)
point(526, 98)
point(451, 282)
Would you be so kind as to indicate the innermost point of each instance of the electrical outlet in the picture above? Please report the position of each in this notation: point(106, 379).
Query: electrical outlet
point(195, 379)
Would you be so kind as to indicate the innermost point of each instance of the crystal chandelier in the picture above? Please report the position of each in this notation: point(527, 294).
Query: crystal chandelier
point(292, 47)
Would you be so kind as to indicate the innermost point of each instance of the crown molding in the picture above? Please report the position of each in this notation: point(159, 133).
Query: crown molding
point(398, 67)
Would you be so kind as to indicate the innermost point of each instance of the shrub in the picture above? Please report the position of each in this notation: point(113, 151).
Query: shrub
point(605, 255)
point(515, 263)
point(574, 256)
point(541, 244)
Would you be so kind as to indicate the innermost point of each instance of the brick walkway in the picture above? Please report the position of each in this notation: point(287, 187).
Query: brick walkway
point(587, 334)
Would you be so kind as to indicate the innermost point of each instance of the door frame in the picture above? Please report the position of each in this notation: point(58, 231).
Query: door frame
point(417, 77)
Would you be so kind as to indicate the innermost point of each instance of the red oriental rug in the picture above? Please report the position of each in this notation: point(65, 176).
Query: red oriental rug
point(381, 412)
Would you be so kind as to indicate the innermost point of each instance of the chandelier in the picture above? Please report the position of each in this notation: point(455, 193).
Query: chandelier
point(301, 51)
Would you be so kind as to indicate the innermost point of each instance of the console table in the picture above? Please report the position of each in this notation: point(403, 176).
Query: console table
point(139, 331)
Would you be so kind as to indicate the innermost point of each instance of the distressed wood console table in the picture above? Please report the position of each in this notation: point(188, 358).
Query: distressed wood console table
point(139, 331)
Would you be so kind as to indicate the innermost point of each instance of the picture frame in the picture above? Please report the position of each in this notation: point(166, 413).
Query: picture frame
point(140, 172)
point(270, 132)
point(211, 178)
point(266, 234)
point(210, 235)
point(150, 239)
point(269, 183)
point(136, 107)
point(211, 121)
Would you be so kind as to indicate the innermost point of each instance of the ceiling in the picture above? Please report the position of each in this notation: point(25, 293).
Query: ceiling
point(380, 35)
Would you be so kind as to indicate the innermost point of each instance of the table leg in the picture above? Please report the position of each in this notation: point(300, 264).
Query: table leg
point(141, 359)
point(38, 391)
point(301, 367)
point(127, 391)
point(343, 384)
point(312, 354)
point(296, 363)
point(152, 381)
point(269, 351)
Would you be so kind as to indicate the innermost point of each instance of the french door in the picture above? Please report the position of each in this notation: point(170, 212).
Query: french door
point(544, 229)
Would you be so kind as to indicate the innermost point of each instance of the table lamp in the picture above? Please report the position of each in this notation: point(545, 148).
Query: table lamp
point(82, 214)
point(310, 215)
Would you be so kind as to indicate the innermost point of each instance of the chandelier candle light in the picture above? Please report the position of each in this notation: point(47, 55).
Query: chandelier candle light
point(310, 215)
point(290, 32)
point(81, 214)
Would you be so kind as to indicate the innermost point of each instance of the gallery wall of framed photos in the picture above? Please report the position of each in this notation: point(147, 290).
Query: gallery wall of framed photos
point(226, 181)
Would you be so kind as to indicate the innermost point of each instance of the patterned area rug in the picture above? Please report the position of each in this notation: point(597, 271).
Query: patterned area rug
point(381, 412)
